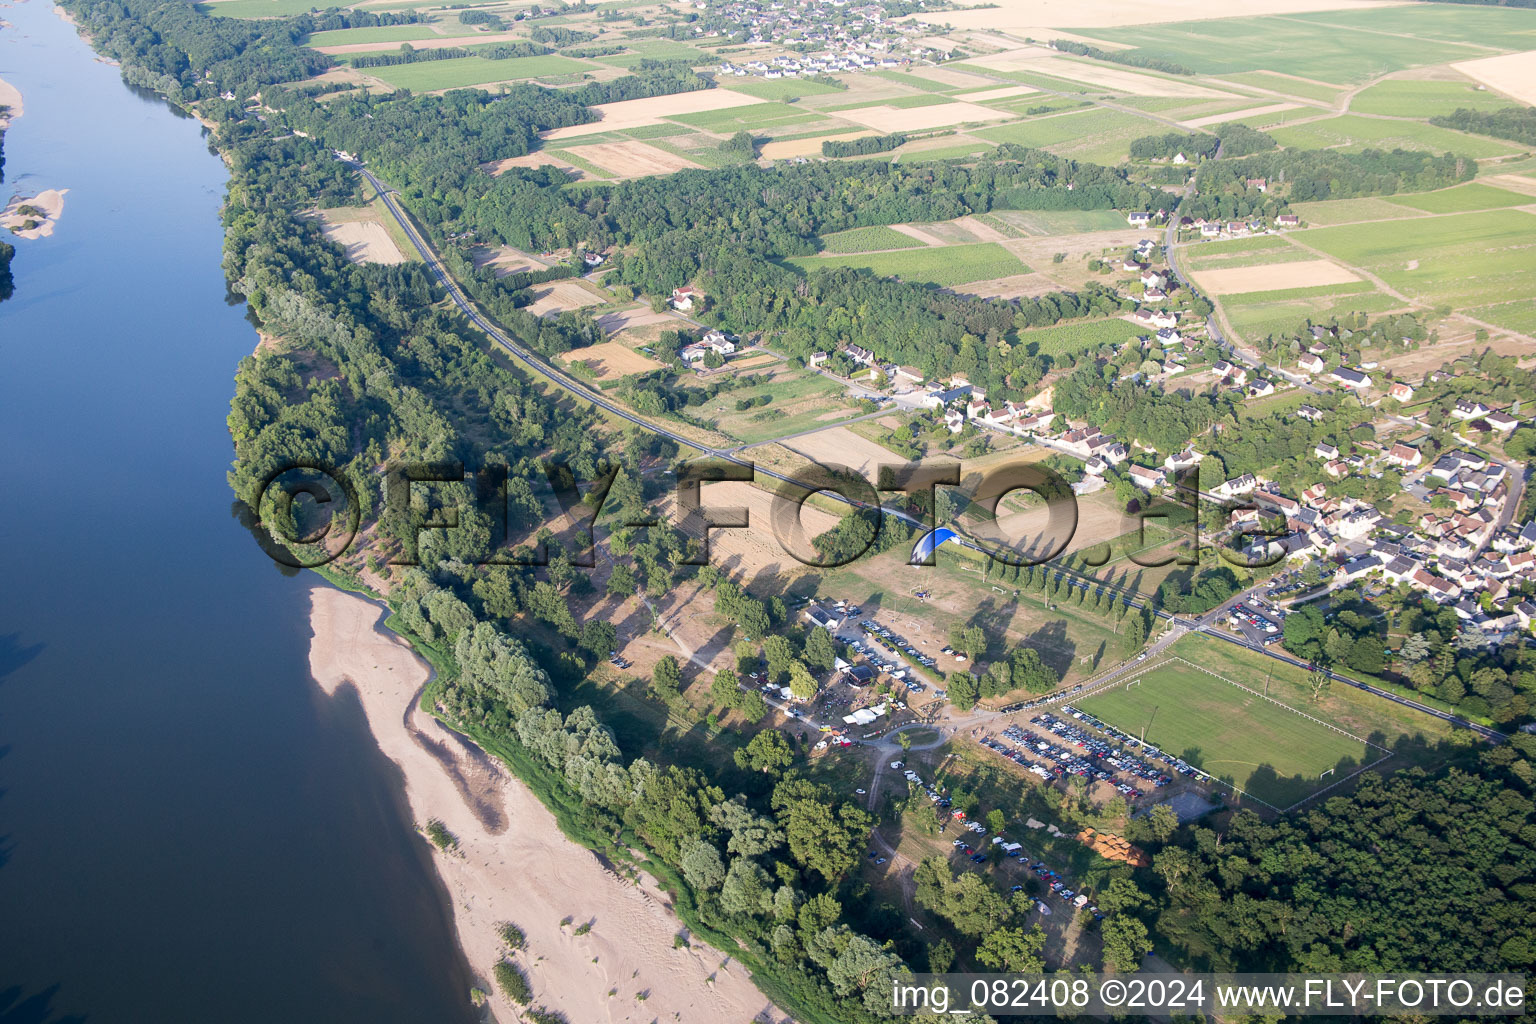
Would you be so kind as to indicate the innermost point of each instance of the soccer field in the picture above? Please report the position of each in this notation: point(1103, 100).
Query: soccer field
point(1259, 746)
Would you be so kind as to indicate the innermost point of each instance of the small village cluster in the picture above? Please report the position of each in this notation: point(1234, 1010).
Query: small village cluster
point(830, 36)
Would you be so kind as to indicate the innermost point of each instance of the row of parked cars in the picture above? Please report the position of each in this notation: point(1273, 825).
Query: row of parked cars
point(1178, 764)
point(893, 643)
point(1059, 888)
point(1061, 761)
point(1116, 757)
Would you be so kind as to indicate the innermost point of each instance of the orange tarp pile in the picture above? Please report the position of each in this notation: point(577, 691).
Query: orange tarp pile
point(1113, 847)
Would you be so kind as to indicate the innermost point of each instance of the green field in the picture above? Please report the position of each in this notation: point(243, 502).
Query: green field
point(1349, 211)
point(1241, 252)
point(1060, 222)
point(1489, 26)
point(1519, 315)
point(377, 34)
point(1320, 91)
point(655, 50)
point(1096, 135)
point(780, 89)
point(1256, 315)
point(959, 151)
point(466, 71)
point(1424, 99)
point(1066, 339)
point(868, 240)
point(1329, 53)
point(1352, 133)
point(940, 265)
point(1463, 199)
point(259, 8)
point(756, 115)
point(1263, 748)
point(799, 403)
point(1466, 259)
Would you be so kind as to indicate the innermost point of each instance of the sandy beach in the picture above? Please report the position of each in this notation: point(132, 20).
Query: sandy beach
point(513, 864)
point(10, 96)
point(51, 204)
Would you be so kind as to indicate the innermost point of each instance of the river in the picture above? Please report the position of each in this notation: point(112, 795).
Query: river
point(189, 830)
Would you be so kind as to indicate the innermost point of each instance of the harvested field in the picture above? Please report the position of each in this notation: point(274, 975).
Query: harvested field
point(1240, 115)
point(1513, 74)
point(505, 260)
point(1016, 286)
point(635, 159)
point(559, 296)
point(950, 77)
point(611, 360)
point(885, 118)
point(1123, 81)
point(635, 316)
point(364, 237)
point(983, 231)
point(919, 234)
point(806, 147)
point(754, 362)
point(1521, 183)
point(638, 113)
point(999, 94)
point(540, 158)
point(1274, 277)
point(764, 546)
point(840, 446)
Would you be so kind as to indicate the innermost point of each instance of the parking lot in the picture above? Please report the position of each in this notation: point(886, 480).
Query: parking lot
point(1259, 623)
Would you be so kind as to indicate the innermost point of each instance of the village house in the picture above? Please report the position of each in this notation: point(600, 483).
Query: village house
point(1168, 337)
point(1503, 422)
point(1310, 413)
point(1237, 485)
point(1404, 455)
point(816, 359)
point(1139, 219)
point(1324, 450)
point(907, 375)
point(1336, 469)
point(1311, 363)
point(1230, 372)
point(1469, 409)
point(1400, 391)
point(1260, 388)
point(954, 419)
point(1352, 379)
point(1288, 220)
point(1210, 230)
point(683, 298)
point(1154, 279)
point(862, 356)
point(1147, 479)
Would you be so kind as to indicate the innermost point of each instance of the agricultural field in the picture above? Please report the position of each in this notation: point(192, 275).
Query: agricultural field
point(868, 240)
point(940, 265)
point(1370, 47)
point(257, 8)
point(655, 50)
point(1422, 98)
point(611, 360)
point(1290, 85)
point(1067, 339)
point(465, 71)
point(1256, 315)
point(1275, 753)
point(1352, 133)
point(734, 118)
point(1059, 222)
point(1097, 135)
point(1331, 212)
point(1466, 259)
point(1271, 277)
point(1510, 28)
point(1463, 199)
point(1239, 252)
point(376, 34)
point(798, 400)
point(778, 90)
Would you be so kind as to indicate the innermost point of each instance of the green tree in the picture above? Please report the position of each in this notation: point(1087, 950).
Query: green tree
point(962, 690)
point(819, 650)
point(780, 655)
point(1125, 943)
point(667, 677)
point(801, 683)
point(725, 689)
point(766, 752)
point(824, 834)
point(1013, 949)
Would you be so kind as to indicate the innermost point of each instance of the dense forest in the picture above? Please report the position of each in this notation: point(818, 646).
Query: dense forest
point(1193, 145)
point(1238, 139)
point(1515, 123)
point(866, 146)
point(1306, 175)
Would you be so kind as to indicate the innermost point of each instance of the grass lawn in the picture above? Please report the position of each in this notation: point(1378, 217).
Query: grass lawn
point(868, 240)
point(1353, 133)
point(1464, 198)
point(1293, 46)
point(1519, 315)
point(780, 89)
point(466, 71)
point(960, 151)
point(1424, 99)
point(940, 265)
point(800, 400)
point(1467, 259)
point(1489, 26)
point(1068, 338)
point(1260, 746)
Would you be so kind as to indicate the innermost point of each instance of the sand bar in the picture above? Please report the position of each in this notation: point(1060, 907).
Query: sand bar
point(10, 96)
point(51, 204)
point(513, 864)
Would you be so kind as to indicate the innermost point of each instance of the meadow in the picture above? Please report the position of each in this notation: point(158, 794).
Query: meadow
point(1264, 748)
point(800, 401)
point(732, 119)
point(1330, 212)
point(258, 8)
point(465, 71)
point(1060, 222)
point(868, 240)
point(1513, 28)
point(1322, 92)
point(1255, 315)
point(781, 89)
point(1328, 53)
point(1462, 259)
point(376, 34)
point(1352, 133)
point(940, 265)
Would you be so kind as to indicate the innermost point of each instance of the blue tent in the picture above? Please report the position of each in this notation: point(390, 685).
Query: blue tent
point(929, 544)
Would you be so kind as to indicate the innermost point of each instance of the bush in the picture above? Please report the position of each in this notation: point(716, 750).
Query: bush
point(513, 936)
point(441, 838)
point(512, 982)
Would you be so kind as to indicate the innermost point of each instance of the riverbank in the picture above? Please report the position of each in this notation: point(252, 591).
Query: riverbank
point(10, 97)
point(34, 216)
point(512, 863)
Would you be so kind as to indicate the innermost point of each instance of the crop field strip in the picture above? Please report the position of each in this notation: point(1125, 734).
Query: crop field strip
point(940, 265)
point(1353, 132)
point(1300, 744)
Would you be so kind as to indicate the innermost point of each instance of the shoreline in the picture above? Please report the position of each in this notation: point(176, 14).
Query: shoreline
point(50, 203)
point(513, 863)
point(10, 96)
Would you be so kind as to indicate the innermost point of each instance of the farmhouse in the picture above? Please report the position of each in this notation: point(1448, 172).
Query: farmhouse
point(908, 375)
point(1147, 479)
point(816, 359)
point(683, 298)
point(1288, 220)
